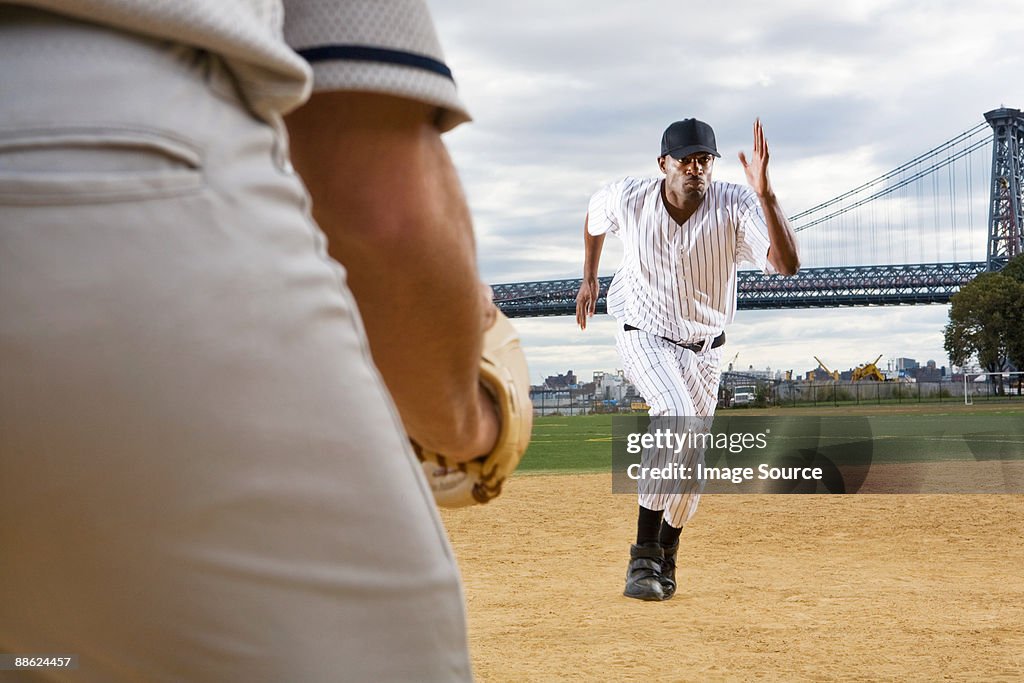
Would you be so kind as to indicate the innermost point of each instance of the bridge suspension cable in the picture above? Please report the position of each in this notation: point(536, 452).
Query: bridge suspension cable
point(919, 212)
point(903, 182)
point(981, 128)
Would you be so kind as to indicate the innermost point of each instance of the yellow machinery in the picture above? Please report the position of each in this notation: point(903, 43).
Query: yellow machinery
point(869, 371)
point(834, 374)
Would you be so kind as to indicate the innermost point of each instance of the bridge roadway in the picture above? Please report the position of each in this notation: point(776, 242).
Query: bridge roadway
point(884, 285)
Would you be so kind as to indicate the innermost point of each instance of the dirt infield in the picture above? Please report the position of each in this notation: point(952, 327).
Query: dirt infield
point(789, 588)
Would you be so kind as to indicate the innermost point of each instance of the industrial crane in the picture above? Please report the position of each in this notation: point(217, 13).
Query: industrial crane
point(834, 374)
point(869, 371)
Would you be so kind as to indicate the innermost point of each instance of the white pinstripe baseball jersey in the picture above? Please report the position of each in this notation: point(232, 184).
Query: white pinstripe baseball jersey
point(679, 281)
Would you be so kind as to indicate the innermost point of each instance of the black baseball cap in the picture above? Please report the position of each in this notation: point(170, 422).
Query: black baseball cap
point(687, 137)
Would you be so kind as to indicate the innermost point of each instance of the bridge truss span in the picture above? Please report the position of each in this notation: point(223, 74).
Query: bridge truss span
point(886, 285)
point(882, 285)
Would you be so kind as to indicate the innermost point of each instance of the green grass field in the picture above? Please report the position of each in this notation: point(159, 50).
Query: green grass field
point(582, 443)
point(911, 433)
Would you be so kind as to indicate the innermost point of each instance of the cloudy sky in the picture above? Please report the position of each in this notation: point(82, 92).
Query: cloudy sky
point(568, 95)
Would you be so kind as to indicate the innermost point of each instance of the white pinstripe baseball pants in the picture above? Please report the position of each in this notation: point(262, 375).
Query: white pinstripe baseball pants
point(675, 382)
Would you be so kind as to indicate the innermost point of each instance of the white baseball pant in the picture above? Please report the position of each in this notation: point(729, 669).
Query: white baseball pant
point(202, 475)
point(675, 382)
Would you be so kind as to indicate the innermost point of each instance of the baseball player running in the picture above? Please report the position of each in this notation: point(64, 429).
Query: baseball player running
point(684, 236)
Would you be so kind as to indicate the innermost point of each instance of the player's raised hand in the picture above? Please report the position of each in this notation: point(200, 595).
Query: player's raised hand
point(757, 167)
point(586, 301)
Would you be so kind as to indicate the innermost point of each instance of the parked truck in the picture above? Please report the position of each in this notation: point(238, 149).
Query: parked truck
point(743, 395)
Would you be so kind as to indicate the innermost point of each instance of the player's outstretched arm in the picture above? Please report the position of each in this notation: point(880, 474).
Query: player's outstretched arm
point(782, 253)
point(387, 195)
point(586, 298)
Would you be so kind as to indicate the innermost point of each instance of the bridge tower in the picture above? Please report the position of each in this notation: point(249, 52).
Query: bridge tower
point(1006, 202)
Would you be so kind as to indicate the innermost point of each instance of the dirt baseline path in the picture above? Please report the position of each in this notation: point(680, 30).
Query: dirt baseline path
point(788, 588)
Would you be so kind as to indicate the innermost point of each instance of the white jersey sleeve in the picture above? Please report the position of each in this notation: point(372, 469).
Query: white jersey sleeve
point(602, 216)
point(383, 46)
point(751, 233)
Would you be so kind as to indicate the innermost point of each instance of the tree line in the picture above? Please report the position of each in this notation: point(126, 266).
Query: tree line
point(986, 320)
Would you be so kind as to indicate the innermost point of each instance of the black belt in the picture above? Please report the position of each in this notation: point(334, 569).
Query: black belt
point(696, 348)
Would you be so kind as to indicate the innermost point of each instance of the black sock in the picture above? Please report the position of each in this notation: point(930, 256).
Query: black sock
point(669, 535)
point(647, 524)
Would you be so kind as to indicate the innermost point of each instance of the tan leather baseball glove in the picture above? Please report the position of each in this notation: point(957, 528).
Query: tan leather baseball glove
point(504, 375)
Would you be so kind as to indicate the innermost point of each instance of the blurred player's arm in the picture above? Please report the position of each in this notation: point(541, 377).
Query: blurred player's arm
point(387, 195)
point(586, 298)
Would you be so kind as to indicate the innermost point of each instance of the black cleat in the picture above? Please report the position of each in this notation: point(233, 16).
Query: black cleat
point(668, 570)
point(643, 577)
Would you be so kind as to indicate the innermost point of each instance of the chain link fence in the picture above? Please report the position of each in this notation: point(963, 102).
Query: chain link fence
point(780, 393)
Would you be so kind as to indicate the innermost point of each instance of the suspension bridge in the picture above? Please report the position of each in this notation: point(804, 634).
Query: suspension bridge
point(924, 216)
